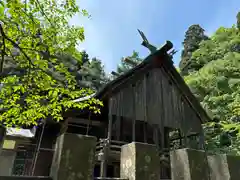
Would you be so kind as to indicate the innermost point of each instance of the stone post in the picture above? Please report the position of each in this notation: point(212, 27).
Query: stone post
point(7, 157)
point(2, 135)
point(74, 157)
point(189, 164)
point(139, 161)
point(224, 167)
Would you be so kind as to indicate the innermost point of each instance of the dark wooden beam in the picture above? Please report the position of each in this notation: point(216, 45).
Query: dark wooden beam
point(84, 121)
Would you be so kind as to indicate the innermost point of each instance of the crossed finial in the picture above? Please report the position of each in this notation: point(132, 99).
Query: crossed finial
point(146, 44)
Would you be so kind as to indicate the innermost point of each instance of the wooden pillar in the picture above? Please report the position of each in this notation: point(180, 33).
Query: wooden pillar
point(133, 114)
point(184, 131)
point(185, 141)
point(180, 136)
point(110, 119)
point(89, 123)
point(201, 140)
point(156, 135)
point(103, 170)
point(145, 110)
point(103, 165)
point(118, 128)
point(162, 136)
point(166, 138)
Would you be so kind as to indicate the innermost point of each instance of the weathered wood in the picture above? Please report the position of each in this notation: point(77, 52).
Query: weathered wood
point(84, 121)
point(103, 170)
point(110, 119)
point(118, 126)
point(145, 103)
point(137, 101)
point(133, 114)
point(156, 136)
point(154, 99)
point(201, 140)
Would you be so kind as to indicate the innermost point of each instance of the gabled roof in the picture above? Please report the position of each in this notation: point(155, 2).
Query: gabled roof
point(108, 87)
point(167, 62)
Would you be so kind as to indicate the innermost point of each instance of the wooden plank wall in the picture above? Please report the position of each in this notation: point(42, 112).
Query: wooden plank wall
point(157, 101)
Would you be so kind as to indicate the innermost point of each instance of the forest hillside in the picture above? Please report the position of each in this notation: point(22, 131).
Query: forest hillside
point(212, 71)
point(211, 68)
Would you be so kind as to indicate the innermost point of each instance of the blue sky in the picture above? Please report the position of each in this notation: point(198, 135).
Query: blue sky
point(111, 32)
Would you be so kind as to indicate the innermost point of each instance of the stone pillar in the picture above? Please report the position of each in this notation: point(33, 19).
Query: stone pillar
point(7, 159)
point(189, 164)
point(2, 135)
point(139, 161)
point(74, 157)
point(224, 167)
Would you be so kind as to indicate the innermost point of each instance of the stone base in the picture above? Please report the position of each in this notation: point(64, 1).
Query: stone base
point(188, 164)
point(2, 135)
point(140, 161)
point(74, 157)
point(7, 159)
point(224, 167)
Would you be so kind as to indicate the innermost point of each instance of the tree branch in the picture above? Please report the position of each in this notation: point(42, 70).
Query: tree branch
point(26, 56)
point(3, 54)
point(43, 13)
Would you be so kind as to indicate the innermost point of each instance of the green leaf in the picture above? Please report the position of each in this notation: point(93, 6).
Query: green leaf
point(41, 49)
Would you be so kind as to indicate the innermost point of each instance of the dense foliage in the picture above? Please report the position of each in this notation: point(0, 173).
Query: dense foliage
point(125, 66)
point(238, 20)
point(88, 73)
point(193, 36)
point(92, 75)
point(211, 67)
point(35, 36)
point(217, 86)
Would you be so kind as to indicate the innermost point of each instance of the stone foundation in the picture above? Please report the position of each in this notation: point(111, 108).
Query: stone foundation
point(74, 157)
point(140, 161)
point(189, 164)
point(224, 167)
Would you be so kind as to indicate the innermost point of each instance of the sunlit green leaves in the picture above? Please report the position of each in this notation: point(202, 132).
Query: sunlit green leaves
point(33, 35)
point(217, 86)
point(124, 66)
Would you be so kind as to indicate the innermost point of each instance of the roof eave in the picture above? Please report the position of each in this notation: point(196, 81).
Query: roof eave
point(161, 51)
